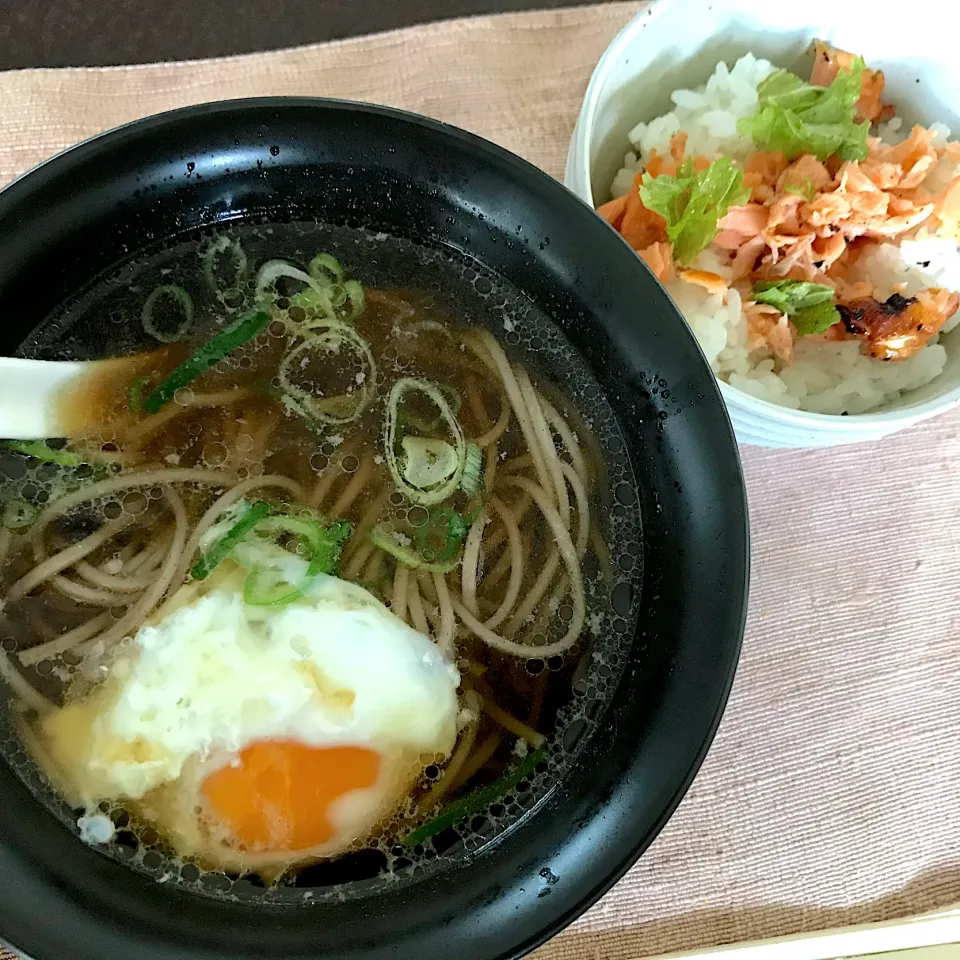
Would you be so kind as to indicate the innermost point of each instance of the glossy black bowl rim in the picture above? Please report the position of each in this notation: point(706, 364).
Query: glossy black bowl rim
point(38, 179)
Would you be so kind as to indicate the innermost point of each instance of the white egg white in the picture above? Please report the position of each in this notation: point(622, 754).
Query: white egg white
point(332, 668)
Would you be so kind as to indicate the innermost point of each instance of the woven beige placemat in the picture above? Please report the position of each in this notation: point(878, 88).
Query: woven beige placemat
point(830, 796)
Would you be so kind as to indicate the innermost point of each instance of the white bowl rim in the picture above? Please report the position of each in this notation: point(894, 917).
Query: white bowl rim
point(855, 422)
point(599, 76)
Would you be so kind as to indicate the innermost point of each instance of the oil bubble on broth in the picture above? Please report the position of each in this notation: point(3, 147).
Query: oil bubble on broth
point(420, 304)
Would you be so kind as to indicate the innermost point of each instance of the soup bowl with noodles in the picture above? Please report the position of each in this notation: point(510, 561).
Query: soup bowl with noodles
point(391, 592)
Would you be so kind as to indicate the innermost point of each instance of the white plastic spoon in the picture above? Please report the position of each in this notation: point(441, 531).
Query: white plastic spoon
point(54, 398)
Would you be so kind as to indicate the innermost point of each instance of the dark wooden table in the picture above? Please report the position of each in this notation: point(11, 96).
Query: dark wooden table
point(57, 33)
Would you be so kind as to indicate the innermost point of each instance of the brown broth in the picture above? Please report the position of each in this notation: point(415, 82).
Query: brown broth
point(231, 418)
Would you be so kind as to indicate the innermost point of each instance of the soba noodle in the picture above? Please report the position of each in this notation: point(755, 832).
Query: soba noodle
point(113, 554)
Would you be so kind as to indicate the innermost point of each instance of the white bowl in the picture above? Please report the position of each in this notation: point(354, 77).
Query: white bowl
point(677, 43)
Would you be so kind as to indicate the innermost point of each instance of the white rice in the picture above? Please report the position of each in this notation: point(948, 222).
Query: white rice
point(831, 378)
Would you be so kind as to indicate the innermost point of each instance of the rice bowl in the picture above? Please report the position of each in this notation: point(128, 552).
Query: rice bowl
point(708, 83)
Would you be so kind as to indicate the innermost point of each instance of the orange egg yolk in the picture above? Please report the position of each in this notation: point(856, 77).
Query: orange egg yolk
point(278, 795)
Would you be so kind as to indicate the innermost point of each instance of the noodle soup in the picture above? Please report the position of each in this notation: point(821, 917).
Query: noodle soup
point(329, 575)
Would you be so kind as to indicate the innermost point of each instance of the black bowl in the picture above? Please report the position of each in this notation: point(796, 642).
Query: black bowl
point(76, 215)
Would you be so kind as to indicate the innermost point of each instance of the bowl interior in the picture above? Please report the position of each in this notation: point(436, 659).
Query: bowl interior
point(677, 43)
point(85, 211)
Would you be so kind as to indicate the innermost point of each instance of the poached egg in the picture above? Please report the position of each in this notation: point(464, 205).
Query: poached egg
point(259, 737)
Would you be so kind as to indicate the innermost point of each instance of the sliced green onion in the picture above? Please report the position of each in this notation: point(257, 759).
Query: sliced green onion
point(434, 545)
point(427, 461)
point(41, 450)
point(267, 586)
point(330, 337)
point(218, 246)
point(135, 393)
point(314, 297)
point(419, 326)
point(407, 419)
point(273, 270)
point(440, 539)
point(251, 525)
point(213, 351)
point(323, 540)
point(337, 295)
point(425, 496)
point(472, 470)
point(310, 300)
point(317, 305)
point(476, 801)
point(397, 544)
point(182, 300)
point(327, 293)
point(355, 300)
point(254, 513)
point(18, 514)
point(345, 300)
point(326, 558)
point(453, 397)
point(326, 268)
